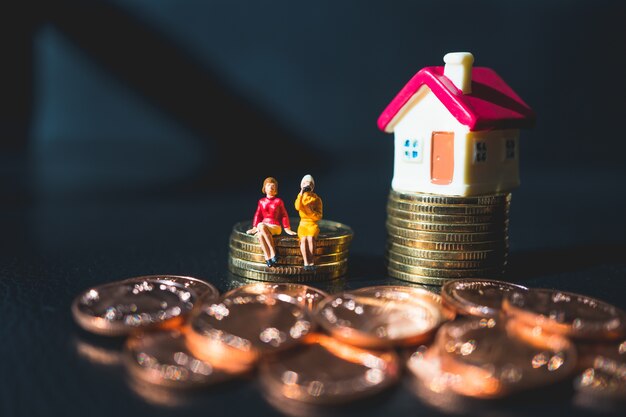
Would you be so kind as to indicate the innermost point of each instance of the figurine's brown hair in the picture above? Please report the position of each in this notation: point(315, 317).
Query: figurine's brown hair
point(267, 180)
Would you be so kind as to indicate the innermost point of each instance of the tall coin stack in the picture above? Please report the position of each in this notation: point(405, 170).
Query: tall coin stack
point(331, 254)
point(436, 238)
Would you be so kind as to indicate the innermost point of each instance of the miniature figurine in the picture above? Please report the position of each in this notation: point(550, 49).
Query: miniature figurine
point(456, 130)
point(267, 220)
point(309, 206)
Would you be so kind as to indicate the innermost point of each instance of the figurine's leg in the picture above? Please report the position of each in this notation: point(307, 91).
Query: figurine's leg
point(262, 234)
point(311, 249)
point(270, 244)
point(303, 249)
point(269, 241)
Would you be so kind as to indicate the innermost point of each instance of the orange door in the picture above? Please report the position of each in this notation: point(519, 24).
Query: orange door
point(442, 162)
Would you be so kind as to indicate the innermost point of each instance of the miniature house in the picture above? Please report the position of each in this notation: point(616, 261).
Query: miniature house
point(456, 130)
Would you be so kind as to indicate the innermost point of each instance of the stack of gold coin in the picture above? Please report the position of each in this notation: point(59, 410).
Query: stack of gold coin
point(246, 257)
point(435, 238)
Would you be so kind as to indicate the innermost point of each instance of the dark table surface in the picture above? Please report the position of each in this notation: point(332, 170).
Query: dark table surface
point(567, 231)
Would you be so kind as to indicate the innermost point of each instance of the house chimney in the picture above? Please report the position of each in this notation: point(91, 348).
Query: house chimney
point(459, 70)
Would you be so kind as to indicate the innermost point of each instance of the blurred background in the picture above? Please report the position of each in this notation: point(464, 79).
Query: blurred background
point(135, 133)
point(127, 100)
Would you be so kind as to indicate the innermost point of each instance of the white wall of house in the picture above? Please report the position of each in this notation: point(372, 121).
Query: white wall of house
point(420, 117)
point(477, 170)
point(497, 169)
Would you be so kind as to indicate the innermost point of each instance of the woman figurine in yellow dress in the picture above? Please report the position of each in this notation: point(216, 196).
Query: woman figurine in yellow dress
point(309, 206)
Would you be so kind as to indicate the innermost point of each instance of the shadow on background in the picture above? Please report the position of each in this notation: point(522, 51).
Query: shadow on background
point(194, 95)
point(239, 133)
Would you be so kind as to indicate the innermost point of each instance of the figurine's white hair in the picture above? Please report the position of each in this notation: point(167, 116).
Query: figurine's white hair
point(308, 177)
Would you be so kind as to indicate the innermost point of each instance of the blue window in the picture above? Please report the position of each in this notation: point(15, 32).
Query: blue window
point(510, 149)
point(480, 151)
point(412, 149)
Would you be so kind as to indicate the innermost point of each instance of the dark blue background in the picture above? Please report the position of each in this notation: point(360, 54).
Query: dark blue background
point(136, 133)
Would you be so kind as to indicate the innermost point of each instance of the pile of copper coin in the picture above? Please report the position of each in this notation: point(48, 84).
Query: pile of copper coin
point(433, 238)
point(479, 339)
point(331, 255)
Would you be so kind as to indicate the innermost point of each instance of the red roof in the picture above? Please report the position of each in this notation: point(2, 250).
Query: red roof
point(492, 104)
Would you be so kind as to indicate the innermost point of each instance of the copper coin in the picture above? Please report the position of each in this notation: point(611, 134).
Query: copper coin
point(589, 351)
point(117, 308)
point(605, 378)
point(533, 335)
point(159, 396)
point(477, 297)
point(441, 390)
point(491, 363)
point(96, 354)
point(241, 328)
point(204, 290)
point(326, 371)
point(574, 315)
point(431, 385)
point(304, 295)
point(425, 364)
point(381, 316)
point(162, 358)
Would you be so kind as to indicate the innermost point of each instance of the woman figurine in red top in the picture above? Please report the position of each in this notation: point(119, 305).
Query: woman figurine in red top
point(270, 213)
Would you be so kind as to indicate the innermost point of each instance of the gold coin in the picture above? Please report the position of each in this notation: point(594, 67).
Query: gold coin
point(501, 245)
point(444, 264)
point(162, 358)
point(281, 269)
point(449, 227)
point(446, 273)
point(283, 251)
point(305, 295)
point(483, 200)
point(415, 279)
point(288, 260)
point(477, 297)
point(416, 216)
point(328, 285)
point(465, 210)
point(118, 308)
point(453, 237)
point(485, 255)
point(275, 277)
point(331, 234)
point(327, 371)
point(240, 329)
point(573, 315)
point(381, 316)
point(291, 243)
